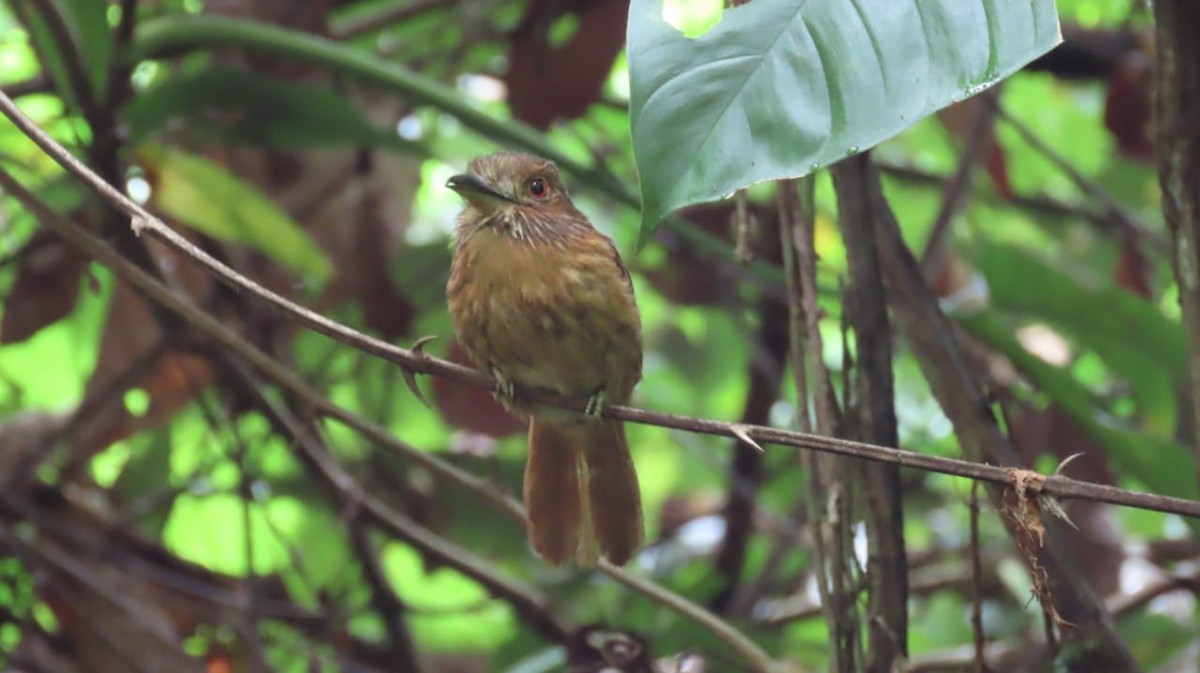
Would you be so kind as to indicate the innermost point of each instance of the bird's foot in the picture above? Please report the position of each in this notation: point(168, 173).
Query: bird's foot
point(505, 392)
point(595, 405)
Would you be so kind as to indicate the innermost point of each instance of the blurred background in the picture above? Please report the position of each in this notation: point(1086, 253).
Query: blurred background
point(157, 515)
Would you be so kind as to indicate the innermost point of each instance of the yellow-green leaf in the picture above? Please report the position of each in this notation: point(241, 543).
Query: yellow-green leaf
point(215, 202)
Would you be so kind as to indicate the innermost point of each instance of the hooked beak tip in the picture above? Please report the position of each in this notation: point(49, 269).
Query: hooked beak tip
point(456, 182)
point(471, 186)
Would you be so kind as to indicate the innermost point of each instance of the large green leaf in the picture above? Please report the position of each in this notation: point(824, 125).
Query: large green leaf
point(86, 24)
point(248, 108)
point(779, 88)
point(89, 23)
point(50, 54)
point(215, 202)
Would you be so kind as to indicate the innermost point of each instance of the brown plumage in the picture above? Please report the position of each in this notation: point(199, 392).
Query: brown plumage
point(541, 299)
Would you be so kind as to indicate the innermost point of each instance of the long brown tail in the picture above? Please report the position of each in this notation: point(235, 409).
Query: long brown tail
point(581, 493)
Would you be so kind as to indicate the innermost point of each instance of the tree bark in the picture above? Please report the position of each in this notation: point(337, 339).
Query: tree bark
point(1177, 146)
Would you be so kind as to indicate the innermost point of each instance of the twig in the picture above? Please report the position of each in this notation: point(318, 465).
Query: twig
point(802, 305)
point(172, 35)
point(39, 83)
point(218, 418)
point(1126, 604)
point(958, 391)
point(524, 600)
point(791, 216)
point(955, 189)
point(1003, 656)
point(764, 373)
point(390, 607)
point(736, 640)
point(143, 222)
point(977, 583)
point(1087, 185)
point(73, 568)
point(1038, 204)
point(107, 397)
point(224, 336)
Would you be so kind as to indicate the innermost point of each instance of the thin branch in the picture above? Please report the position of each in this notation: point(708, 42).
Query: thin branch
point(176, 34)
point(73, 568)
point(1010, 655)
point(956, 188)
point(1090, 187)
point(524, 600)
point(143, 222)
point(390, 607)
point(794, 224)
point(107, 398)
point(1036, 204)
point(743, 251)
point(961, 397)
point(224, 336)
point(39, 83)
point(977, 583)
point(764, 373)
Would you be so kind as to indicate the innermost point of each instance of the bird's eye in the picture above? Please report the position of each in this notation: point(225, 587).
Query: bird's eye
point(537, 187)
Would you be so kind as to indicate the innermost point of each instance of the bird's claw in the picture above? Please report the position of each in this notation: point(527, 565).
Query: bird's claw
point(505, 392)
point(595, 405)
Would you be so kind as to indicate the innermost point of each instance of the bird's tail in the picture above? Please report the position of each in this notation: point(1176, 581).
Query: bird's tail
point(581, 493)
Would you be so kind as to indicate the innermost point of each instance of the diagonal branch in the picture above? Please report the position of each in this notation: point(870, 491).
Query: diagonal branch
point(1061, 588)
point(344, 488)
point(225, 337)
point(143, 222)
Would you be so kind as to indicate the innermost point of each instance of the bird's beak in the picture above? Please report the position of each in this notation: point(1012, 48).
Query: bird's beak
point(474, 189)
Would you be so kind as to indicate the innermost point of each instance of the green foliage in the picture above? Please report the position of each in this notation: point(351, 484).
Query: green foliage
point(1159, 462)
point(234, 106)
point(214, 481)
point(88, 20)
point(49, 370)
point(780, 88)
point(1133, 338)
point(208, 198)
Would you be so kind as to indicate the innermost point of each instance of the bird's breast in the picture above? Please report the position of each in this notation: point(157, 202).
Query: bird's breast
point(548, 316)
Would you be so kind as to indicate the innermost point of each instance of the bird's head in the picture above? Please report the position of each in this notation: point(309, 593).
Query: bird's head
point(518, 194)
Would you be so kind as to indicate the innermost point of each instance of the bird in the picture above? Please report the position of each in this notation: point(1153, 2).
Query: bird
point(540, 299)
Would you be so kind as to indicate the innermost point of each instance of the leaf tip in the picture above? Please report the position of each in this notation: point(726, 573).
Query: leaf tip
point(644, 237)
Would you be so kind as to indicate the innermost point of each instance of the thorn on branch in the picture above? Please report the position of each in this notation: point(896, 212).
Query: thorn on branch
point(743, 434)
point(1052, 506)
point(1065, 462)
point(410, 377)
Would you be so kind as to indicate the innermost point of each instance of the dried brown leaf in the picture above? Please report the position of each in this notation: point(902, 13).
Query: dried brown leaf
point(547, 82)
point(46, 287)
